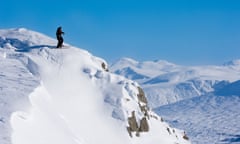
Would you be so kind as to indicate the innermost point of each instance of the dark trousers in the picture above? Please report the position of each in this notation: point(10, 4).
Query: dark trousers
point(60, 41)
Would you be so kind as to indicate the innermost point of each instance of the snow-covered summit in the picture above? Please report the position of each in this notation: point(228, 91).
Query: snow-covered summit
point(146, 68)
point(22, 40)
point(26, 36)
point(123, 62)
point(233, 63)
point(50, 95)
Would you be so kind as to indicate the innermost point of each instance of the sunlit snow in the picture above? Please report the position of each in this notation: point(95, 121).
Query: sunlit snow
point(60, 96)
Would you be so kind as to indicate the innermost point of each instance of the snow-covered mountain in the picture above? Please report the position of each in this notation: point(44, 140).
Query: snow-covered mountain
point(212, 118)
point(203, 100)
point(67, 95)
point(166, 83)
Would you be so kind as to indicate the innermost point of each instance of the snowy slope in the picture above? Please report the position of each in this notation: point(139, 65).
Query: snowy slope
point(203, 100)
point(50, 95)
point(166, 83)
point(213, 118)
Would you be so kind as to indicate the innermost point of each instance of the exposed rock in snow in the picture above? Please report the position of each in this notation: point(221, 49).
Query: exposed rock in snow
point(203, 100)
point(68, 96)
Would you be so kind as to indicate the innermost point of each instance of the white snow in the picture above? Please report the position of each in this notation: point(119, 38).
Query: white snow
point(61, 96)
point(166, 83)
point(147, 68)
point(203, 100)
point(206, 119)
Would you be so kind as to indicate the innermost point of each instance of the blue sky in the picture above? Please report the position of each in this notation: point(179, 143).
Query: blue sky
point(189, 32)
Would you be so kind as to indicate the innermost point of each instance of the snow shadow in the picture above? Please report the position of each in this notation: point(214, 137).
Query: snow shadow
point(20, 46)
point(232, 139)
point(27, 49)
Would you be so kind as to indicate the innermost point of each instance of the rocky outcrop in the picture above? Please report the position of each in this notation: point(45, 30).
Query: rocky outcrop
point(133, 125)
point(143, 125)
point(141, 95)
point(142, 101)
point(185, 136)
point(104, 67)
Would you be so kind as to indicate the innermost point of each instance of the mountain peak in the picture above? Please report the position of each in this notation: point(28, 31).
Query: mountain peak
point(163, 62)
point(67, 96)
point(233, 63)
point(25, 36)
point(126, 61)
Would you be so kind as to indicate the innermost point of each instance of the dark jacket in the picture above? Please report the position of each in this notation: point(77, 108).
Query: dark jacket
point(59, 31)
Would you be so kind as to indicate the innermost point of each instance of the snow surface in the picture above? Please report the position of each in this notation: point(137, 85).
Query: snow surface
point(203, 100)
point(166, 83)
point(61, 96)
point(206, 119)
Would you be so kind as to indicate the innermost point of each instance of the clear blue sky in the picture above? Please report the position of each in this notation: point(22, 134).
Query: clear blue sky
point(189, 32)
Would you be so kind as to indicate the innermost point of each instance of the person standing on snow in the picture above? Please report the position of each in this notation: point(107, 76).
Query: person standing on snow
point(59, 37)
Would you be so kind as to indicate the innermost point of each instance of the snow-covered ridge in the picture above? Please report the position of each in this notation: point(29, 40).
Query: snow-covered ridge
point(67, 96)
point(203, 100)
point(233, 63)
point(166, 83)
point(26, 36)
point(147, 68)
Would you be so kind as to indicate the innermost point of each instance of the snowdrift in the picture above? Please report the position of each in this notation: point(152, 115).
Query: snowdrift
point(68, 96)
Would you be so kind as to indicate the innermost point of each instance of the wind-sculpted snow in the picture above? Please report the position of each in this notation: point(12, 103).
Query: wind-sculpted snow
point(67, 96)
point(42, 124)
point(16, 82)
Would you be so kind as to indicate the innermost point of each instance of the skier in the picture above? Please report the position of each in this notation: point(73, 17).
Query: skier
point(59, 37)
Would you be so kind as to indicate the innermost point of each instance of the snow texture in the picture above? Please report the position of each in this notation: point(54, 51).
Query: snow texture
point(203, 100)
point(206, 119)
point(50, 95)
point(166, 83)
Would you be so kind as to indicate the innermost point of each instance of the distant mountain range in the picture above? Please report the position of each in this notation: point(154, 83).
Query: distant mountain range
point(166, 83)
point(203, 100)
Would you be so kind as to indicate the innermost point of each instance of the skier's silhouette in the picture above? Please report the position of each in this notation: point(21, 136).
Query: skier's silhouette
point(59, 33)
